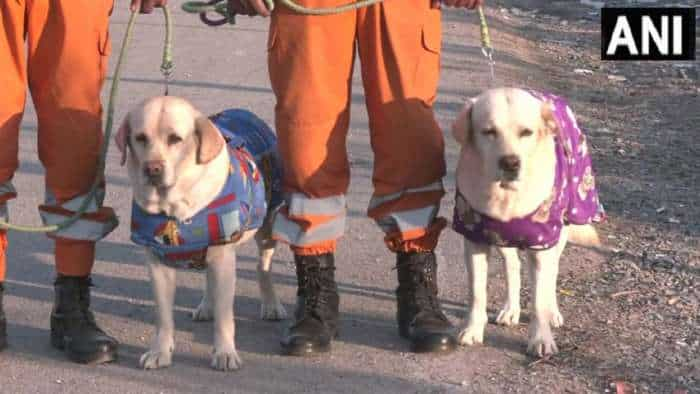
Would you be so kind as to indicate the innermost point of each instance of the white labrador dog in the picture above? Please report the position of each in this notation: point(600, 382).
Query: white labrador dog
point(178, 163)
point(525, 182)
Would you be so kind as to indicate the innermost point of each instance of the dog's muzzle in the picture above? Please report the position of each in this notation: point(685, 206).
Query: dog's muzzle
point(510, 167)
point(154, 171)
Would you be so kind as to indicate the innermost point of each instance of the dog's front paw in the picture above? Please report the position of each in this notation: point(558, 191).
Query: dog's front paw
point(226, 360)
point(272, 310)
point(154, 359)
point(473, 334)
point(509, 316)
point(204, 312)
point(557, 319)
point(542, 343)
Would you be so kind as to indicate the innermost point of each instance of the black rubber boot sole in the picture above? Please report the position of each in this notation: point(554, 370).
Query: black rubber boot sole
point(436, 343)
point(305, 350)
point(100, 357)
point(308, 349)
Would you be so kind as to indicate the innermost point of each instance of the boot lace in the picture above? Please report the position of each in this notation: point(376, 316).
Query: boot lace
point(86, 316)
point(424, 293)
point(314, 282)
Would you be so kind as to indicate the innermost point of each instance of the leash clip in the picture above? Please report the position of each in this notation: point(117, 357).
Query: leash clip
point(488, 54)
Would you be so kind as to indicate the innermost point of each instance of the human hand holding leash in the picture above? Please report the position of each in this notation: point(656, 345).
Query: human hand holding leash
point(471, 4)
point(146, 6)
point(248, 7)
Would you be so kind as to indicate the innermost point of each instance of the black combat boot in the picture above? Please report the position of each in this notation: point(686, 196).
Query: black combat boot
point(420, 318)
point(3, 322)
point(316, 315)
point(73, 326)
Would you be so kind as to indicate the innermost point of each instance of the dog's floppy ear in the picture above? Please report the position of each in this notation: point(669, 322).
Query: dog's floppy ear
point(209, 139)
point(549, 124)
point(122, 138)
point(462, 127)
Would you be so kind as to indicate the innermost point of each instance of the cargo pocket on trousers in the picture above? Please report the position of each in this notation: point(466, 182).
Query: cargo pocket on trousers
point(104, 47)
point(432, 37)
point(274, 59)
point(272, 36)
point(428, 70)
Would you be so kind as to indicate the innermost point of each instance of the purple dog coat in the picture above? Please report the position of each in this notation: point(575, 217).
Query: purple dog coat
point(574, 198)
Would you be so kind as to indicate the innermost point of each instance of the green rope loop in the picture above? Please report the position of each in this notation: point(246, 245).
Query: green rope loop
point(199, 7)
point(330, 10)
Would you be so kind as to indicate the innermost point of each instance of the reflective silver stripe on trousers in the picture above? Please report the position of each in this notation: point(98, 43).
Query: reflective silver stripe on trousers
point(73, 204)
point(406, 221)
point(83, 229)
point(7, 187)
point(379, 200)
point(291, 233)
point(300, 205)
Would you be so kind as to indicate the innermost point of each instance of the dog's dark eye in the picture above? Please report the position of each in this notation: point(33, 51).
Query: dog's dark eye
point(489, 132)
point(526, 133)
point(174, 139)
point(141, 139)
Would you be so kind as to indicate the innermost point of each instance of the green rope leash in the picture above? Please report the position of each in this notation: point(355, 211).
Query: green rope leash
point(330, 10)
point(200, 7)
point(92, 194)
point(486, 47)
point(484, 27)
point(220, 7)
point(167, 65)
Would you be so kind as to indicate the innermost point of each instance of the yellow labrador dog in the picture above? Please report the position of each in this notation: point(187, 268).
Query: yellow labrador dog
point(524, 181)
point(181, 168)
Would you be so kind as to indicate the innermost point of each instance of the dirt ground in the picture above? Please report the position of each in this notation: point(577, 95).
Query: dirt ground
point(632, 315)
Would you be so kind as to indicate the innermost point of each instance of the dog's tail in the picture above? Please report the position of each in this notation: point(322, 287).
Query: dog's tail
point(584, 235)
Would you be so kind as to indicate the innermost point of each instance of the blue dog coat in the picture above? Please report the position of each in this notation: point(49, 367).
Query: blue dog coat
point(253, 186)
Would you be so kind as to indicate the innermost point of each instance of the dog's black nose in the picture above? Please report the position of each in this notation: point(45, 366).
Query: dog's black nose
point(154, 169)
point(509, 163)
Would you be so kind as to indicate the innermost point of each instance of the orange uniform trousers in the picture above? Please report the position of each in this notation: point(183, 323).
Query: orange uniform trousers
point(311, 60)
point(64, 65)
